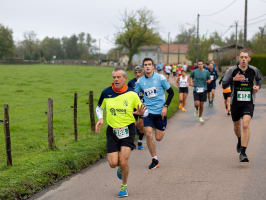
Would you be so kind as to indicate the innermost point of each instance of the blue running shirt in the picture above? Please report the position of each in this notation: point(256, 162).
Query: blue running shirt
point(154, 88)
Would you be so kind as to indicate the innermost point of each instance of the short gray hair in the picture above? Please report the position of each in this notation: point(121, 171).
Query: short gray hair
point(120, 69)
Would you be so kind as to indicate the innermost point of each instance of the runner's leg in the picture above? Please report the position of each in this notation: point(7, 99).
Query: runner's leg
point(149, 139)
point(201, 109)
point(123, 162)
point(159, 135)
point(113, 159)
point(246, 130)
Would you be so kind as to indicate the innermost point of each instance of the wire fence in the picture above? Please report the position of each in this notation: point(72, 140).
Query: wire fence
point(39, 127)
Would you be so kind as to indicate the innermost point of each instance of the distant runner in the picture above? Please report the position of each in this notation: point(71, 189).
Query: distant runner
point(182, 82)
point(199, 79)
point(139, 119)
point(212, 85)
point(227, 97)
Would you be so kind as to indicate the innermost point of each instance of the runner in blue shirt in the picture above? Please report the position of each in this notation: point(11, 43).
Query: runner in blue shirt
point(154, 85)
point(212, 85)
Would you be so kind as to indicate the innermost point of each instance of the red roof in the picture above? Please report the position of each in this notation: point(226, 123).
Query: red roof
point(174, 48)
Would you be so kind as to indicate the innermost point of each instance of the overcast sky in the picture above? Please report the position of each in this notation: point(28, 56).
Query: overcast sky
point(101, 18)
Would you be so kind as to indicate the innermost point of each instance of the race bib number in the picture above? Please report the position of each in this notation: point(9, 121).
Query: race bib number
point(212, 77)
point(150, 92)
point(121, 133)
point(200, 89)
point(243, 96)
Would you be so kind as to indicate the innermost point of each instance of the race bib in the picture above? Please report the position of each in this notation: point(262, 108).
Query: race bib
point(150, 92)
point(200, 89)
point(212, 77)
point(121, 133)
point(243, 96)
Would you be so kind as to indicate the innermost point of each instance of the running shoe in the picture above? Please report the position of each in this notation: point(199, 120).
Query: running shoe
point(118, 172)
point(180, 106)
point(201, 120)
point(243, 157)
point(238, 147)
point(140, 147)
point(123, 191)
point(228, 112)
point(184, 110)
point(196, 113)
point(154, 164)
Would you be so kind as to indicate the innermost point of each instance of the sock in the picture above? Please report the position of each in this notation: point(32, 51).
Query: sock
point(243, 150)
point(141, 135)
point(155, 157)
point(137, 131)
point(239, 140)
point(139, 142)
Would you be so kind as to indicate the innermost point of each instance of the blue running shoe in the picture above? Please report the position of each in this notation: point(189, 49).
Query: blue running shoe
point(118, 173)
point(140, 147)
point(123, 191)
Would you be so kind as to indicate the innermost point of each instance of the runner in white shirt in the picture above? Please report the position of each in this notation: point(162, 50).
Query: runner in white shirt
point(168, 70)
point(182, 82)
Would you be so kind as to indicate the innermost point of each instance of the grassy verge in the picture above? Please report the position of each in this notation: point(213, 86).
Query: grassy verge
point(26, 90)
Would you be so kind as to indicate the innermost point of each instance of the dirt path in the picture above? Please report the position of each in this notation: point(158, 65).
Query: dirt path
point(198, 162)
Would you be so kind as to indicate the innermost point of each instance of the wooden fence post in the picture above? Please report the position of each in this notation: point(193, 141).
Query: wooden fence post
point(7, 135)
point(92, 111)
point(75, 116)
point(51, 144)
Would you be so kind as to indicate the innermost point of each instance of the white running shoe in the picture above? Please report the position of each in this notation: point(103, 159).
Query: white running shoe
point(201, 120)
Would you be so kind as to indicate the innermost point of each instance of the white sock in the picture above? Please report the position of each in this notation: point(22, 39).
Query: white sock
point(140, 141)
point(155, 157)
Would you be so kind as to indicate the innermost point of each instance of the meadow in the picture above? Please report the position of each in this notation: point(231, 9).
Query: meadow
point(26, 89)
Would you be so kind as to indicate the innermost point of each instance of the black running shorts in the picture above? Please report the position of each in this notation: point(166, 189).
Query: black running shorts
point(202, 97)
point(114, 144)
point(226, 95)
point(183, 90)
point(238, 111)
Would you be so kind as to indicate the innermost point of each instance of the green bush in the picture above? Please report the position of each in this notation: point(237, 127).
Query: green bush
point(259, 61)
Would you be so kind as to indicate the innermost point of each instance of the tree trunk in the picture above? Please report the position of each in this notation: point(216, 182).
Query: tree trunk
point(129, 64)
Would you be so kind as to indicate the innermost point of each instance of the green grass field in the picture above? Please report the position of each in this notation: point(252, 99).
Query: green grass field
point(26, 88)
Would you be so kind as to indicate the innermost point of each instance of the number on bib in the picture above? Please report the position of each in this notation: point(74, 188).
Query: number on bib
point(200, 89)
point(150, 92)
point(121, 133)
point(243, 96)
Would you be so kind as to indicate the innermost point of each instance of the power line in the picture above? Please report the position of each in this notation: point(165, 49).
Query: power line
point(256, 17)
point(256, 22)
point(228, 29)
point(221, 10)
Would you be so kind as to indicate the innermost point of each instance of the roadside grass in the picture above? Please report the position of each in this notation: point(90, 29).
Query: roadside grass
point(26, 89)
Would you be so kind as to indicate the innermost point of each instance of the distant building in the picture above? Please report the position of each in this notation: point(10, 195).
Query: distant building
point(222, 53)
point(161, 54)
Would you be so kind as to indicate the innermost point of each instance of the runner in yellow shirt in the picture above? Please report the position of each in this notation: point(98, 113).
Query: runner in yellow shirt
point(119, 102)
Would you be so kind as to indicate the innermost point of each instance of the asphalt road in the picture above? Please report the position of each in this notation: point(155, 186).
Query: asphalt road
point(198, 162)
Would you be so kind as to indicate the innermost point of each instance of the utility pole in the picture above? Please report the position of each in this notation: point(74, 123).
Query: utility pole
point(168, 48)
point(236, 43)
point(245, 24)
point(197, 45)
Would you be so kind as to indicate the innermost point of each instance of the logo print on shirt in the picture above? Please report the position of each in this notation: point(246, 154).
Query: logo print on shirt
point(112, 110)
point(125, 103)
